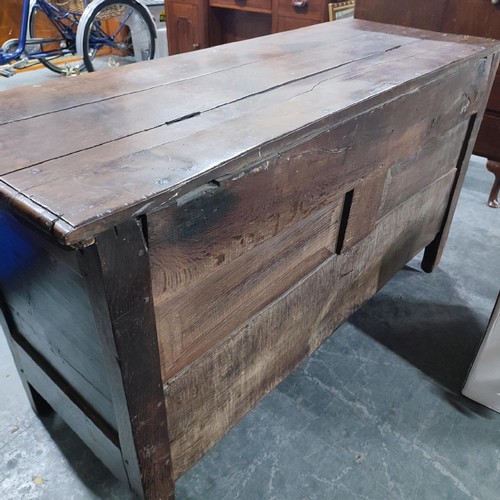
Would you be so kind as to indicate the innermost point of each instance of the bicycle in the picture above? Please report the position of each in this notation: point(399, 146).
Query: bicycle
point(70, 36)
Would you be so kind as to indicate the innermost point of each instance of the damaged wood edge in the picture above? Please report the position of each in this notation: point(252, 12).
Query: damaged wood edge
point(33, 214)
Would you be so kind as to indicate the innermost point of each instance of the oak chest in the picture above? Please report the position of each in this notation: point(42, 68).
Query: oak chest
point(178, 235)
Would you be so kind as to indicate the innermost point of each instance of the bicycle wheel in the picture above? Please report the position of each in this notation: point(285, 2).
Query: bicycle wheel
point(118, 32)
point(65, 60)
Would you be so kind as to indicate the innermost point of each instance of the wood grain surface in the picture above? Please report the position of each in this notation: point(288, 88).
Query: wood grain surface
point(134, 155)
point(195, 241)
point(10, 19)
point(474, 17)
point(49, 306)
point(213, 393)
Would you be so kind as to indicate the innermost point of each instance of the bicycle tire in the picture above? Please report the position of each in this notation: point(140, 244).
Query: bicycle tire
point(135, 40)
point(40, 26)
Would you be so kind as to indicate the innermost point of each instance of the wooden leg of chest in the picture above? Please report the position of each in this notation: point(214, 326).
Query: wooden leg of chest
point(434, 251)
point(494, 168)
point(118, 273)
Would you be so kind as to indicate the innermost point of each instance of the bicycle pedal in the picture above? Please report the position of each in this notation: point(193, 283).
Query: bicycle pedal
point(7, 71)
point(112, 62)
point(21, 64)
point(71, 71)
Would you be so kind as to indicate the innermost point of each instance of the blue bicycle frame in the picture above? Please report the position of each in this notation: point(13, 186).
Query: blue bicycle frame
point(67, 32)
point(64, 21)
point(6, 58)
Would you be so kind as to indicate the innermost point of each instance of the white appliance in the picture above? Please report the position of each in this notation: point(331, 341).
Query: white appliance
point(157, 9)
point(483, 382)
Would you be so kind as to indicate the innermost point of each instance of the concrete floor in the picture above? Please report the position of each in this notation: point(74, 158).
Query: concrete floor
point(375, 413)
point(28, 77)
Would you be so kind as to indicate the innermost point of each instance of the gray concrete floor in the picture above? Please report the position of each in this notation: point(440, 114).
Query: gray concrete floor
point(28, 77)
point(375, 413)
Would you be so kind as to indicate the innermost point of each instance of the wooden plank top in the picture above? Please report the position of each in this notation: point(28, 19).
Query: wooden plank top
point(80, 155)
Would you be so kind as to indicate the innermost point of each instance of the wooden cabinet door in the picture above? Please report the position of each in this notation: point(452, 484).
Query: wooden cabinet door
point(186, 27)
point(293, 23)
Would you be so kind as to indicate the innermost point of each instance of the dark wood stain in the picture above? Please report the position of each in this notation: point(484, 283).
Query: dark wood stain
point(162, 168)
point(46, 297)
point(120, 286)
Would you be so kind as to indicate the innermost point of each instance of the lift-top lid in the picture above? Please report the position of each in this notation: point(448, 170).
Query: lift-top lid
point(82, 154)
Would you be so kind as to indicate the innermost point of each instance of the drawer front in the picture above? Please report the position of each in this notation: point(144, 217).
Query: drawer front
point(314, 9)
point(293, 23)
point(488, 142)
point(248, 5)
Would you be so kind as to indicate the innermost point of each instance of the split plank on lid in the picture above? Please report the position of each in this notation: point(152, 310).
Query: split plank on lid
point(159, 170)
point(67, 93)
point(157, 106)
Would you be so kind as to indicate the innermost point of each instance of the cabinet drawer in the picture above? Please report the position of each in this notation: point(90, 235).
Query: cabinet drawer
point(292, 23)
point(314, 9)
point(248, 5)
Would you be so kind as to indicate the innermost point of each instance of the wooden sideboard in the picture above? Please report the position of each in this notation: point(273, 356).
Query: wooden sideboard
point(197, 24)
point(472, 17)
point(166, 266)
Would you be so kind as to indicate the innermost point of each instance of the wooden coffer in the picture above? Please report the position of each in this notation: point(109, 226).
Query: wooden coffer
point(178, 235)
